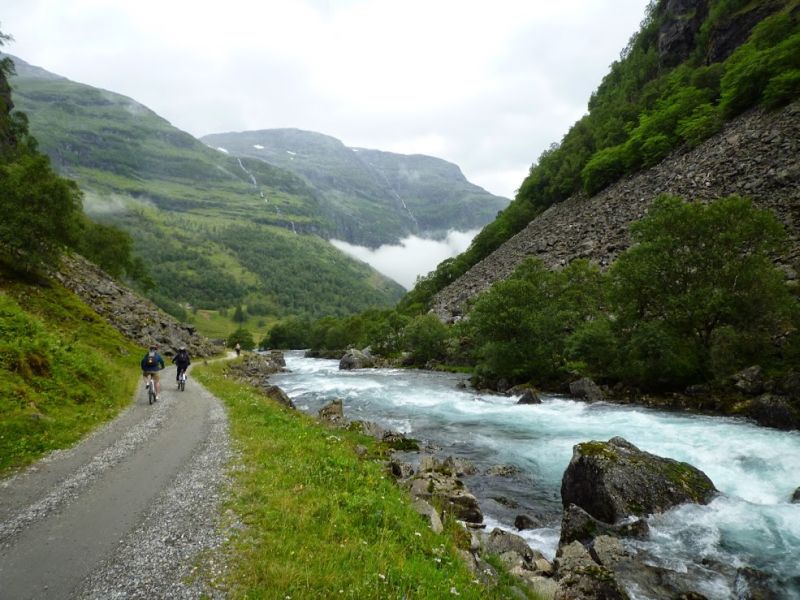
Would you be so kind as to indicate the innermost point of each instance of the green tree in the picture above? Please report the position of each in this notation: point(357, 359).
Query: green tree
point(238, 315)
point(243, 337)
point(41, 212)
point(425, 337)
point(693, 270)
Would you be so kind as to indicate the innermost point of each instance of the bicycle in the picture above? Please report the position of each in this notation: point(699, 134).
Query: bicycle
point(182, 381)
point(151, 388)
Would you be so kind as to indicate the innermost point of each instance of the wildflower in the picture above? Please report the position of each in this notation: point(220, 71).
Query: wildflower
point(418, 534)
point(382, 576)
point(454, 591)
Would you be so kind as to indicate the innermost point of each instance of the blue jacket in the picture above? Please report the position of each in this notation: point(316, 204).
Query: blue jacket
point(155, 366)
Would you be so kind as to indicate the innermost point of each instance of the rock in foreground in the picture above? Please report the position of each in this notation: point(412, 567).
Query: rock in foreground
point(613, 480)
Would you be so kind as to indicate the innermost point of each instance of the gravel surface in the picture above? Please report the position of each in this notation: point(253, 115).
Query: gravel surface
point(133, 511)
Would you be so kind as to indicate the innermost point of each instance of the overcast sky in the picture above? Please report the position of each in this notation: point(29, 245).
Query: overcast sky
point(487, 85)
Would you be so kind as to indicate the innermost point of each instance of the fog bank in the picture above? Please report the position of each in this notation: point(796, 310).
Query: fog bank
point(412, 257)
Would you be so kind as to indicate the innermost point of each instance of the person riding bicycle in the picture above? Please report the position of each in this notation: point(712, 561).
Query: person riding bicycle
point(152, 363)
point(238, 348)
point(182, 361)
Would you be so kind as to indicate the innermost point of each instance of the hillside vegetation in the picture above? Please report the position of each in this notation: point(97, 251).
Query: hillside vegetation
point(188, 208)
point(63, 370)
point(681, 76)
point(372, 197)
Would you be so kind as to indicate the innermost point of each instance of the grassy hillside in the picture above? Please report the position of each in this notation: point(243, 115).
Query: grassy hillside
point(372, 197)
point(187, 205)
point(681, 76)
point(63, 370)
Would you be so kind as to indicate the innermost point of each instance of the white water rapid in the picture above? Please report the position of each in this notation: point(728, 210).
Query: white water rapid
point(751, 524)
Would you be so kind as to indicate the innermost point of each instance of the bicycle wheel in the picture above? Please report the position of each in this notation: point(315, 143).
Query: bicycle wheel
point(182, 384)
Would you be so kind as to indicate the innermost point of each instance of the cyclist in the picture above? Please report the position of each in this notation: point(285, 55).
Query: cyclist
point(182, 361)
point(238, 348)
point(152, 363)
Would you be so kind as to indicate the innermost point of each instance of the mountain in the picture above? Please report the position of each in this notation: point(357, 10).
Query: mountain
point(693, 67)
point(215, 230)
point(372, 197)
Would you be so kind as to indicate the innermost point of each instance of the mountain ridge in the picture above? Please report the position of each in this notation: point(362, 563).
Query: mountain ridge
point(424, 195)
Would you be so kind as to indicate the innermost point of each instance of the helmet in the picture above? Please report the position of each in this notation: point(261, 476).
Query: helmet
point(182, 348)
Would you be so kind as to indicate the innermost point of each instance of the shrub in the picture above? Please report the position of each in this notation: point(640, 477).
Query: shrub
point(243, 337)
point(704, 122)
point(604, 168)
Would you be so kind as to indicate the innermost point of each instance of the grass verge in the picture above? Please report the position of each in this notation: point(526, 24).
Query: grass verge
point(319, 522)
point(63, 371)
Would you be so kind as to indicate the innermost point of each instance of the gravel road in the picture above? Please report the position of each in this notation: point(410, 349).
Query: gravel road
point(133, 511)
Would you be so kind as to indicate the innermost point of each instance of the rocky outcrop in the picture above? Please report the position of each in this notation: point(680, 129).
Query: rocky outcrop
point(614, 480)
point(255, 369)
point(730, 33)
point(136, 318)
point(529, 397)
point(796, 496)
point(579, 526)
point(754, 156)
point(681, 22)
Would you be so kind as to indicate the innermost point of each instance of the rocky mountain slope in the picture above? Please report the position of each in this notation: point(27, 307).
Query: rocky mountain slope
point(755, 156)
point(372, 197)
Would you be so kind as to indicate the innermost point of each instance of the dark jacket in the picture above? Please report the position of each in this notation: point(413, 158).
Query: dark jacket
point(182, 360)
point(156, 366)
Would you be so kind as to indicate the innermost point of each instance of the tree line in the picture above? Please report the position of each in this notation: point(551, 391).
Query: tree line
point(694, 299)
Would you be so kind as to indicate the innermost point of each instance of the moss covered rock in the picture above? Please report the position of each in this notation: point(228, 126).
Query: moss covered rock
point(613, 480)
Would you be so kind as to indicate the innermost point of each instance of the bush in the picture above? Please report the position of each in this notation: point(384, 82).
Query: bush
point(425, 337)
point(290, 333)
point(243, 337)
point(704, 122)
point(782, 89)
point(604, 168)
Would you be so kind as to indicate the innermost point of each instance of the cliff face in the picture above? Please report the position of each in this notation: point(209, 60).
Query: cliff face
point(755, 156)
point(6, 106)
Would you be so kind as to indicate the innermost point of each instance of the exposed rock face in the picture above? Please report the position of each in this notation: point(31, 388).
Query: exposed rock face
point(581, 578)
point(731, 33)
point(578, 525)
point(682, 20)
point(749, 381)
point(754, 156)
point(255, 369)
point(586, 389)
point(136, 318)
point(613, 480)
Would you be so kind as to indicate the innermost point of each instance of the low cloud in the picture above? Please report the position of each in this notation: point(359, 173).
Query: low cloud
point(412, 257)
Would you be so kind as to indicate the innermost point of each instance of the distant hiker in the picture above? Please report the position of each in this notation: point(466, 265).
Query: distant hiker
point(238, 349)
point(152, 363)
point(182, 361)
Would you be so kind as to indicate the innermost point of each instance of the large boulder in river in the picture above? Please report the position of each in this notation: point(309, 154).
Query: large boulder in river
point(356, 359)
point(775, 411)
point(586, 389)
point(613, 480)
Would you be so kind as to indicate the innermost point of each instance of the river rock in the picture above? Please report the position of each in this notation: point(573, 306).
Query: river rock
point(502, 471)
point(429, 514)
point(449, 492)
point(613, 480)
point(276, 393)
point(775, 411)
point(581, 578)
point(523, 522)
point(529, 397)
point(796, 496)
point(578, 525)
point(333, 412)
point(369, 428)
point(586, 389)
point(356, 359)
point(502, 542)
point(749, 381)
point(400, 469)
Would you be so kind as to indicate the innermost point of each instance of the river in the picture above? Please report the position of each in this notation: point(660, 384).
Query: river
point(751, 524)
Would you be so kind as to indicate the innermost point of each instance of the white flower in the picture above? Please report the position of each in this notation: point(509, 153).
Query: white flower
point(454, 591)
point(382, 576)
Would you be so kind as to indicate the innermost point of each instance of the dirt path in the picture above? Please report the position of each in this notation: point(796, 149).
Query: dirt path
point(130, 512)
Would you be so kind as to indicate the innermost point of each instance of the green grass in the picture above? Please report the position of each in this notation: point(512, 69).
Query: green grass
point(320, 522)
point(63, 371)
point(212, 324)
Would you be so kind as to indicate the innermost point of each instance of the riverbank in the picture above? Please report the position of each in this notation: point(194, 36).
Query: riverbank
point(320, 517)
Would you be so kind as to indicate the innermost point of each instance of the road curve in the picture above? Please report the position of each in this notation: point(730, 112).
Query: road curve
point(130, 512)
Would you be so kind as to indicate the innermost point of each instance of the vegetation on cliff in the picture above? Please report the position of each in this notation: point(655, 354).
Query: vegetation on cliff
point(654, 99)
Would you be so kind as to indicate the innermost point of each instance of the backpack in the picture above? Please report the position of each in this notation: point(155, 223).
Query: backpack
point(150, 360)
